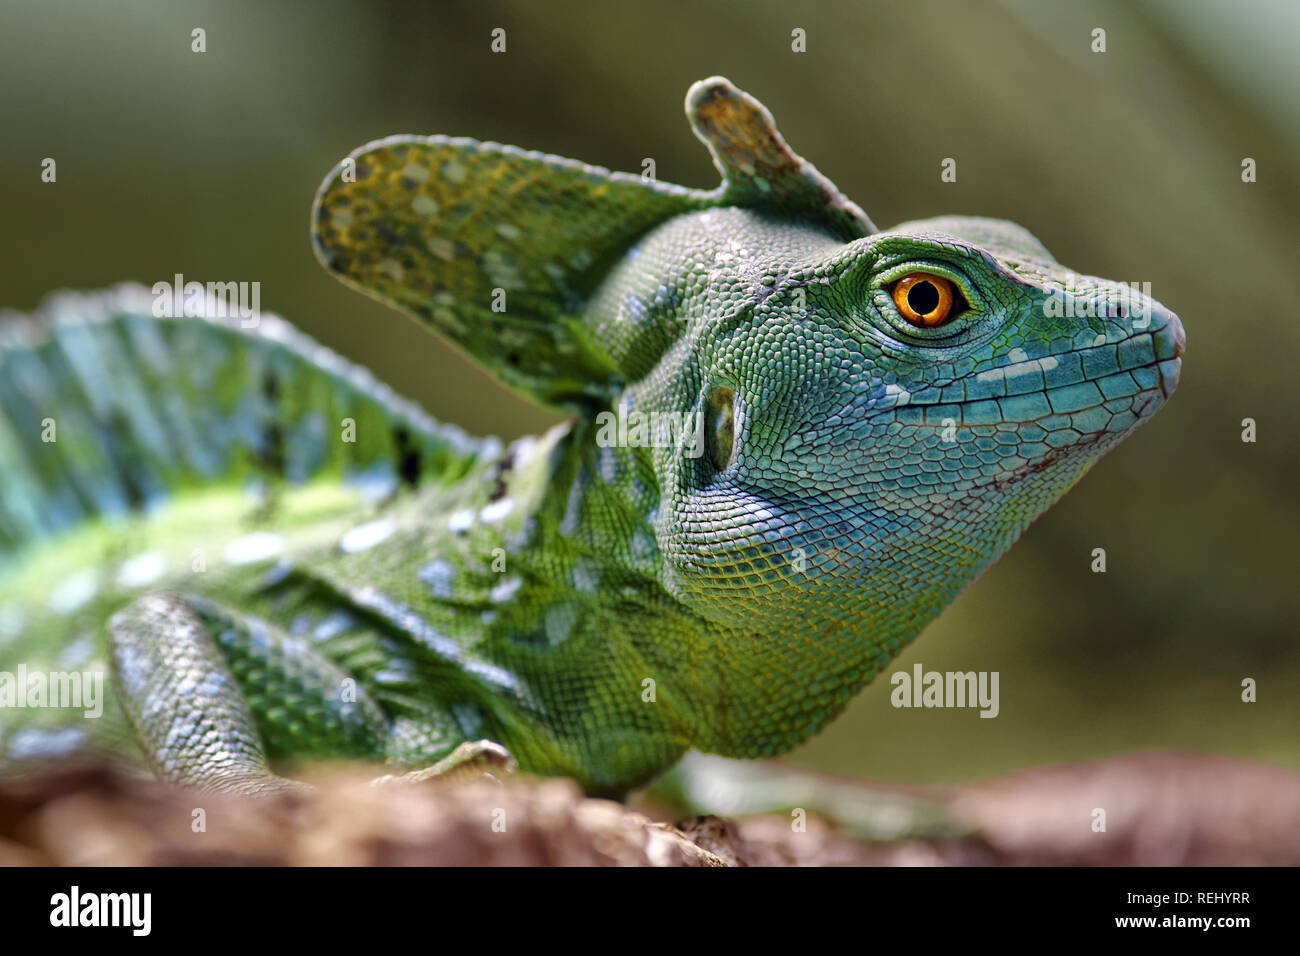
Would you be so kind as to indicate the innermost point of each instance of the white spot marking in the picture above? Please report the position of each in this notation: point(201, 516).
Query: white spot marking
point(496, 510)
point(142, 570)
point(32, 742)
point(461, 520)
point(1033, 365)
point(258, 546)
point(586, 578)
point(366, 536)
point(74, 591)
point(424, 206)
point(439, 575)
point(897, 394)
point(506, 588)
point(417, 173)
point(442, 248)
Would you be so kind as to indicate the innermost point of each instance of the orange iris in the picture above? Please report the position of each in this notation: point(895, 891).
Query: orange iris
point(925, 300)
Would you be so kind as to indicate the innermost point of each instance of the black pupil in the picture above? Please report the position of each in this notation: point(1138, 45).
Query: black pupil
point(923, 298)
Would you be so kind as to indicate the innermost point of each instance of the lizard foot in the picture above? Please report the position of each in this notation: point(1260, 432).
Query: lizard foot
point(469, 761)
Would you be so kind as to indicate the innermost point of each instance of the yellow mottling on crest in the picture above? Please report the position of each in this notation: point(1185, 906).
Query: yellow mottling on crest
point(442, 248)
point(417, 173)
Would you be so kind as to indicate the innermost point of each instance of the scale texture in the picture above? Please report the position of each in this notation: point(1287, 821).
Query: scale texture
point(268, 587)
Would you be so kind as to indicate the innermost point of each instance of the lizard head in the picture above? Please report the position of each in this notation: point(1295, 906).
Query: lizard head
point(880, 418)
point(882, 412)
point(858, 421)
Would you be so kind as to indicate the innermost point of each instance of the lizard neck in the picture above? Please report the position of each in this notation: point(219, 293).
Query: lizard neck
point(592, 630)
point(751, 679)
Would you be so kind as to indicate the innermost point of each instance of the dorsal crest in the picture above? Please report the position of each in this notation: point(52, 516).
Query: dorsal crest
point(499, 249)
point(759, 169)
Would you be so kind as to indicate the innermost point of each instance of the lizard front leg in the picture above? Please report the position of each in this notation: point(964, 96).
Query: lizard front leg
point(210, 694)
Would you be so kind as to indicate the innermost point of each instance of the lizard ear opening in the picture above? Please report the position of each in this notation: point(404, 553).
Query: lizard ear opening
point(495, 248)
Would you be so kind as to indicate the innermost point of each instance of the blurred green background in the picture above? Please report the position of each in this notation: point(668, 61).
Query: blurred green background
point(1126, 163)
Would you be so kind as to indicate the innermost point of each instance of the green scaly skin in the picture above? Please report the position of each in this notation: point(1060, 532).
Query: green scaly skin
point(596, 609)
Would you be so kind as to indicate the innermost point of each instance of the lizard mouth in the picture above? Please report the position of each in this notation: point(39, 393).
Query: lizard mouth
point(1171, 335)
point(1145, 404)
point(1167, 372)
point(1154, 389)
point(1170, 370)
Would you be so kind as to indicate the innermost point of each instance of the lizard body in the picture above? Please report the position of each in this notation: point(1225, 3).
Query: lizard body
point(849, 452)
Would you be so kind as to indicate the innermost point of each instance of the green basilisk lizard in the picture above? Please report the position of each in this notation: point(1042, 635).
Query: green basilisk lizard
point(792, 439)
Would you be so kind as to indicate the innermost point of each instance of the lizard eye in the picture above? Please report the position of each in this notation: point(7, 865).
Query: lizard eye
point(925, 300)
point(720, 426)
